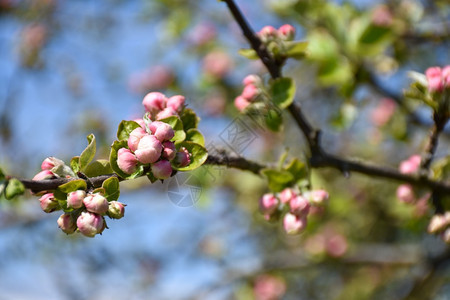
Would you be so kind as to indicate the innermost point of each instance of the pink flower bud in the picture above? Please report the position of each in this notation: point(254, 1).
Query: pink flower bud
point(446, 236)
point(126, 161)
point(217, 64)
point(141, 122)
point(410, 165)
point(96, 203)
point(75, 198)
point(250, 92)
point(162, 169)
point(382, 16)
point(446, 76)
point(241, 103)
point(434, 77)
point(293, 224)
point(165, 113)
point(183, 158)
point(116, 210)
point(51, 162)
point(286, 32)
point(383, 112)
point(67, 223)
point(89, 224)
point(149, 149)
point(176, 103)
point(135, 136)
point(439, 223)
point(252, 79)
point(44, 175)
point(336, 246)
point(154, 102)
point(162, 131)
point(268, 204)
point(405, 193)
point(267, 33)
point(169, 150)
point(299, 206)
point(318, 197)
point(49, 203)
point(268, 287)
point(286, 195)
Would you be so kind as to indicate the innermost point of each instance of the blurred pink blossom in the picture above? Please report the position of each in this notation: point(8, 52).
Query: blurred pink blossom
point(383, 112)
point(268, 287)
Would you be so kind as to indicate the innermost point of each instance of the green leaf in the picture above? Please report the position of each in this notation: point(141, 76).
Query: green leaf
point(273, 120)
point(113, 161)
point(88, 154)
point(97, 168)
point(189, 119)
point(112, 188)
point(73, 185)
point(14, 188)
point(125, 128)
point(248, 53)
point(177, 126)
point(297, 169)
point(282, 91)
point(374, 34)
point(2, 175)
point(278, 180)
point(296, 49)
point(75, 164)
point(198, 155)
point(193, 135)
point(441, 168)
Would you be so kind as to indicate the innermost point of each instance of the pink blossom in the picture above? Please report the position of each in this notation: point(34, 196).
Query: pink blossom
point(183, 158)
point(336, 245)
point(162, 169)
point(439, 222)
point(299, 206)
point(293, 224)
point(411, 165)
point(67, 223)
point(51, 162)
point(382, 16)
point(169, 150)
point(383, 112)
point(446, 76)
point(286, 195)
point(268, 204)
point(252, 79)
point(267, 33)
point(48, 203)
point(202, 34)
point(434, 77)
point(162, 131)
point(286, 32)
point(89, 224)
point(149, 149)
point(269, 287)
point(96, 203)
point(405, 193)
point(176, 103)
point(154, 102)
point(135, 136)
point(217, 64)
point(75, 198)
point(116, 210)
point(126, 161)
point(44, 175)
point(250, 92)
point(318, 197)
point(241, 103)
point(165, 113)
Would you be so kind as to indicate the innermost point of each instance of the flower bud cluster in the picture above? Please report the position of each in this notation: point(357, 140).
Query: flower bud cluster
point(440, 224)
point(295, 205)
point(253, 88)
point(405, 192)
point(150, 145)
point(438, 79)
point(269, 34)
point(159, 107)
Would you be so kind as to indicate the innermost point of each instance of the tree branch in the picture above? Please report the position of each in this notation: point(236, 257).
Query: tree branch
point(319, 157)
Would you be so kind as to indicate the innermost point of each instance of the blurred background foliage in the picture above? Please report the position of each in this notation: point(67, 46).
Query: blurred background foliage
point(70, 68)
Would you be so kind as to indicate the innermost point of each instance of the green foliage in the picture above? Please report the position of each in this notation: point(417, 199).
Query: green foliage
point(75, 164)
point(98, 167)
point(61, 192)
point(111, 188)
point(125, 128)
point(198, 156)
point(189, 119)
point(296, 49)
point(249, 53)
point(13, 189)
point(282, 91)
point(195, 136)
point(273, 120)
point(88, 154)
point(295, 172)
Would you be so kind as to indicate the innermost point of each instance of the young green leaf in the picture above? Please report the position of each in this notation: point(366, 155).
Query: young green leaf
point(282, 91)
point(88, 154)
point(125, 128)
point(14, 188)
point(193, 135)
point(198, 155)
point(75, 164)
point(296, 49)
point(112, 188)
point(273, 120)
point(248, 53)
point(98, 167)
point(189, 119)
point(73, 185)
point(297, 169)
point(278, 179)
